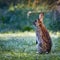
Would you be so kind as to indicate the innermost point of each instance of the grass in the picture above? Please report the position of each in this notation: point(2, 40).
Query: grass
point(22, 46)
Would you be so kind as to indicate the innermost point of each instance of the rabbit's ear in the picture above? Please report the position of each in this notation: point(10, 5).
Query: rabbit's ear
point(41, 15)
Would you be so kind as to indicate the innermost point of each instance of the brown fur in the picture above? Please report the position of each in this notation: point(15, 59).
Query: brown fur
point(43, 38)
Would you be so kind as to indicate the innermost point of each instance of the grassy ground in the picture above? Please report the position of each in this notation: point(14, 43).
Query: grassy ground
point(21, 46)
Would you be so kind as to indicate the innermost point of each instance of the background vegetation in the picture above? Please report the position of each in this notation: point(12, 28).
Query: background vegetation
point(15, 16)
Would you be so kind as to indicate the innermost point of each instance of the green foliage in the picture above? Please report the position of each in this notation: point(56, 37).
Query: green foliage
point(15, 18)
point(52, 23)
point(26, 2)
point(27, 28)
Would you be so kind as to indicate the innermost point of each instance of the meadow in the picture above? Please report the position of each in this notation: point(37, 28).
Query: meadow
point(22, 46)
point(16, 18)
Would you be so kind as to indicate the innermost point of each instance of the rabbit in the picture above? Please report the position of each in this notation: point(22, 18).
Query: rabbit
point(43, 39)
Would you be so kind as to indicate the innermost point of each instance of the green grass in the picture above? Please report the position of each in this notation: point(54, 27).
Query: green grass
point(22, 46)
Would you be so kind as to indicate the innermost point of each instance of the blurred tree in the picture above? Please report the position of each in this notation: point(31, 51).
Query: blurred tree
point(34, 2)
point(18, 15)
point(29, 2)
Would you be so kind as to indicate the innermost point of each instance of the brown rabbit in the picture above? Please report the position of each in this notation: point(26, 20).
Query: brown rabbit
point(43, 39)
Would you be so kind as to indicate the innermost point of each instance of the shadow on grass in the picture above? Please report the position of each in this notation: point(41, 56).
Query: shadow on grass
point(24, 48)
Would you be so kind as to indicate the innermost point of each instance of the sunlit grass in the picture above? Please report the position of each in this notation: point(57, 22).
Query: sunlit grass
point(22, 46)
point(18, 34)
